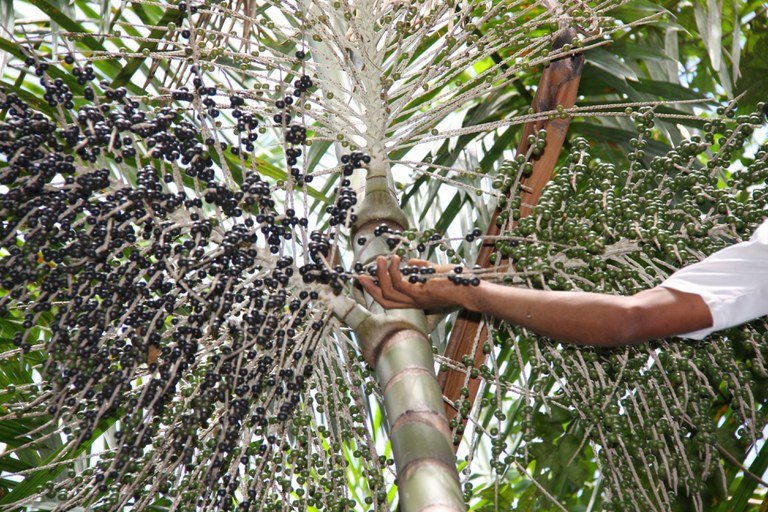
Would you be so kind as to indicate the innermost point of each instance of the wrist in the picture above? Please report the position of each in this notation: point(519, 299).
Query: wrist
point(471, 299)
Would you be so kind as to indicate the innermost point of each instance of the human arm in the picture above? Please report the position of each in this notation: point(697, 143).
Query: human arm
point(575, 317)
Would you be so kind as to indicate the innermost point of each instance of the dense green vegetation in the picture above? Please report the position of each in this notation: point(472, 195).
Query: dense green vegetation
point(182, 197)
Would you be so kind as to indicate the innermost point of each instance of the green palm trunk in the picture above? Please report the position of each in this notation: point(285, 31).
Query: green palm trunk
point(395, 343)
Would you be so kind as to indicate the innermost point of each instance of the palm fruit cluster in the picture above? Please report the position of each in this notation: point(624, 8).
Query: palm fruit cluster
point(169, 308)
point(653, 414)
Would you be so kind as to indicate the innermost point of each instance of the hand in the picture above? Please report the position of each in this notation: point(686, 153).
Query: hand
point(395, 291)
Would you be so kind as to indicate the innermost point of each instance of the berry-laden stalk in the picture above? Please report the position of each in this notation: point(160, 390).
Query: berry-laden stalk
point(395, 343)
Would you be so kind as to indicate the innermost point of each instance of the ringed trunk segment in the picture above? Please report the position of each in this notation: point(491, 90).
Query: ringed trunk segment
point(395, 343)
point(559, 85)
point(421, 440)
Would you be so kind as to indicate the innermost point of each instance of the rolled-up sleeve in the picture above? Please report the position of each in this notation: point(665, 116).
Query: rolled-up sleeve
point(732, 282)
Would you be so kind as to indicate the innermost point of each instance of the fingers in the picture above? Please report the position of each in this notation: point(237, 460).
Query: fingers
point(440, 269)
point(396, 277)
point(383, 292)
point(390, 281)
point(393, 291)
point(375, 292)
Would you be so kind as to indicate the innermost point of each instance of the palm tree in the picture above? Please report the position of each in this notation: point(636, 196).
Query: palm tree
point(178, 332)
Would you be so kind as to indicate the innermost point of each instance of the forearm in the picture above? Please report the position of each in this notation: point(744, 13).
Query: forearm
point(576, 317)
point(591, 318)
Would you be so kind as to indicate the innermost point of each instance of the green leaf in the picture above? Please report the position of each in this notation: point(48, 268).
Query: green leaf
point(494, 499)
point(709, 22)
point(667, 90)
point(630, 50)
point(107, 66)
point(754, 77)
point(637, 10)
point(610, 63)
point(527, 502)
point(126, 74)
point(11, 465)
point(6, 20)
point(69, 24)
point(739, 501)
point(30, 484)
point(14, 432)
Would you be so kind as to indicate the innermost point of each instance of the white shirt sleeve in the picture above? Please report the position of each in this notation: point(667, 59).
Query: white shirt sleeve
point(733, 283)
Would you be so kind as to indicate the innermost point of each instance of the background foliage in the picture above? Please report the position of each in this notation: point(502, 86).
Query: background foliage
point(643, 188)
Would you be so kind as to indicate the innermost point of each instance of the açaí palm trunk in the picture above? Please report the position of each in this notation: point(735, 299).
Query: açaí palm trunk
point(395, 343)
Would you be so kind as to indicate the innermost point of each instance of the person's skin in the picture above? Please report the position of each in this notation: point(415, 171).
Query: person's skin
point(574, 317)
